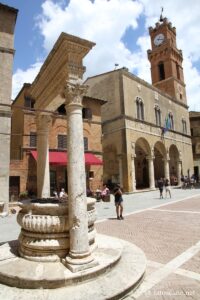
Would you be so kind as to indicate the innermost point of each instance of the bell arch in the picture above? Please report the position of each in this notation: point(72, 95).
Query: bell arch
point(142, 152)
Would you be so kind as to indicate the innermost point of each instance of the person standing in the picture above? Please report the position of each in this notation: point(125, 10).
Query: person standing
point(167, 188)
point(118, 202)
point(160, 186)
point(105, 192)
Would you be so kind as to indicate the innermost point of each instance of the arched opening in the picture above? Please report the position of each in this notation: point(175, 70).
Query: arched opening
point(161, 70)
point(159, 154)
point(173, 170)
point(142, 150)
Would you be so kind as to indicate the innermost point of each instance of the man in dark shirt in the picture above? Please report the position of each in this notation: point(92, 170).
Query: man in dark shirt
point(160, 186)
point(118, 202)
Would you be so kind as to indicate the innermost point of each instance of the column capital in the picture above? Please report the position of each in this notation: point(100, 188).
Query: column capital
point(43, 121)
point(74, 92)
point(133, 156)
point(150, 157)
point(166, 159)
point(179, 161)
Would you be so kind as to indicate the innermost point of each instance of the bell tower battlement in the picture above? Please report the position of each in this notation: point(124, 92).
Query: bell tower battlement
point(166, 60)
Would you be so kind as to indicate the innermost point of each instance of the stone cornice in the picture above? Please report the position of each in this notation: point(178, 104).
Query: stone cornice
point(64, 61)
point(5, 113)
point(122, 117)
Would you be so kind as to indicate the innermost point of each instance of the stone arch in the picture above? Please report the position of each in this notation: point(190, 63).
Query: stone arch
point(32, 127)
point(173, 163)
point(160, 154)
point(142, 151)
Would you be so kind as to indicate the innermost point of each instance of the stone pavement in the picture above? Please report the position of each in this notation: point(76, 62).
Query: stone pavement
point(169, 234)
point(167, 230)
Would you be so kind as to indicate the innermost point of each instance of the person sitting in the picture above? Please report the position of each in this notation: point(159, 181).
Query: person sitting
point(89, 192)
point(105, 192)
point(55, 194)
point(63, 194)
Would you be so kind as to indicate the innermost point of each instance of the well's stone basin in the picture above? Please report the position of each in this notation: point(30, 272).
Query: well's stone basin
point(45, 229)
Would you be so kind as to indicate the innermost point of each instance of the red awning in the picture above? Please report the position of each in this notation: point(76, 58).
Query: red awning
point(60, 158)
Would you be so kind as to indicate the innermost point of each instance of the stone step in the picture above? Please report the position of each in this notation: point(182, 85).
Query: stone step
point(121, 268)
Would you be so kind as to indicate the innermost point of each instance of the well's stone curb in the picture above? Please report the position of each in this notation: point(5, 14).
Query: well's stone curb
point(121, 268)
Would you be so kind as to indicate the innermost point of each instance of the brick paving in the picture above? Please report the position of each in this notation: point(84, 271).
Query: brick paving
point(193, 264)
point(164, 233)
point(154, 232)
point(168, 233)
point(174, 287)
point(192, 204)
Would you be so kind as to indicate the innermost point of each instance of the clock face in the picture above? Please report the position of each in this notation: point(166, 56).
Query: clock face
point(159, 39)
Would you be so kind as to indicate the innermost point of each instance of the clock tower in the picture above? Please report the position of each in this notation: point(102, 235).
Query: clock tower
point(166, 60)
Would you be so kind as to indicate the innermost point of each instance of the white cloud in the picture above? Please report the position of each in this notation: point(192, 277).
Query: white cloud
point(24, 76)
point(105, 22)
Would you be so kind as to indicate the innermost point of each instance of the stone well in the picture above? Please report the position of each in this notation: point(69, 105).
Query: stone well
point(45, 229)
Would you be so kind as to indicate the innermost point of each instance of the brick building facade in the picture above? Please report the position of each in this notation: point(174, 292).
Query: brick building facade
point(23, 166)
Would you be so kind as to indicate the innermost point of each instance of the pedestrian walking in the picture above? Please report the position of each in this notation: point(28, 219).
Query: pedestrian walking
point(167, 188)
point(160, 186)
point(118, 202)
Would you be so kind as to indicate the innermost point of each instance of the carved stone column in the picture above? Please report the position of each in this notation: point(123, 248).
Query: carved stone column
point(179, 164)
point(119, 157)
point(151, 172)
point(79, 255)
point(133, 167)
point(166, 168)
point(43, 122)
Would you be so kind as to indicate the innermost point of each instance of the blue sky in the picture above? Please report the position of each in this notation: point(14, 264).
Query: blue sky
point(119, 28)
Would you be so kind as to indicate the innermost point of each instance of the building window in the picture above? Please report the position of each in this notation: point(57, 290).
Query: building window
point(61, 110)
point(140, 109)
point(171, 121)
point(158, 116)
point(184, 126)
point(178, 71)
point(193, 149)
point(161, 71)
point(86, 113)
point(85, 143)
point(33, 140)
point(62, 141)
point(191, 131)
point(28, 102)
point(91, 174)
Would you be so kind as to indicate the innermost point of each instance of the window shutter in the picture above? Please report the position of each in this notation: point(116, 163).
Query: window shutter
point(33, 139)
point(62, 141)
point(85, 143)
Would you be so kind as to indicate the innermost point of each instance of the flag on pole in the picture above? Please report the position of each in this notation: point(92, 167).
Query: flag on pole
point(167, 125)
